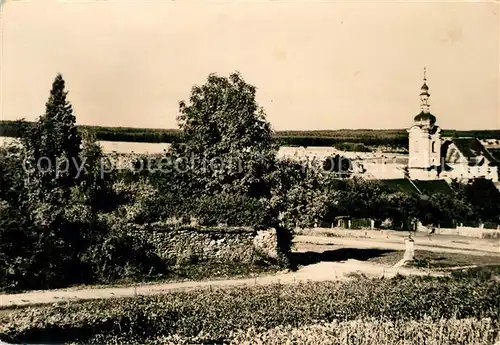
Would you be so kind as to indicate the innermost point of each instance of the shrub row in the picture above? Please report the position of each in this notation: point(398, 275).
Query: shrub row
point(216, 314)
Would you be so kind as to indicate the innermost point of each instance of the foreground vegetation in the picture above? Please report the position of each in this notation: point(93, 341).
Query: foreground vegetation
point(465, 311)
point(373, 332)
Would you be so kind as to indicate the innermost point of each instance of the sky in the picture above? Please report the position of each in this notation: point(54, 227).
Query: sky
point(316, 64)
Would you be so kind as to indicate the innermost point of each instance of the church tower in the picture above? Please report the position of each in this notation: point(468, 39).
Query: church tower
point(424, 141)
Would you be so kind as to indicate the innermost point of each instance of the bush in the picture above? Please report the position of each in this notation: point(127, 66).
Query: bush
point(120, 257)
point(232, 210)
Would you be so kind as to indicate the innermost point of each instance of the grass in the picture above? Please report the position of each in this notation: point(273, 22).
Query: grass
point(409, 303)
point(434, 260)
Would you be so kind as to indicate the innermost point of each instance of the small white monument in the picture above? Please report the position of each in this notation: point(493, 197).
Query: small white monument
point(409, 252)
point(409, 249)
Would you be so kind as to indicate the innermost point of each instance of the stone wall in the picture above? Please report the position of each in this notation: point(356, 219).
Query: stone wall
point(192, 244)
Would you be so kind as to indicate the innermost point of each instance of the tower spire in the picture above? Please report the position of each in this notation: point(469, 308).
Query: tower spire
point(424, 95)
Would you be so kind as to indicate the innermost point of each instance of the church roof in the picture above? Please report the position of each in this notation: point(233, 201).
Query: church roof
point(473, 150)
point(424, 87)
point(425, 116)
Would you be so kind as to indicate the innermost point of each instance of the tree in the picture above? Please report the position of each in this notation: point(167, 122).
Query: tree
point(299, 194)
point(97, 179)
point(485, 199)
point(12, 174)
point(442, 209)
point(56, 221)
point(53, 146)
point(400, 207)
point(226, 144)
point(359, 198)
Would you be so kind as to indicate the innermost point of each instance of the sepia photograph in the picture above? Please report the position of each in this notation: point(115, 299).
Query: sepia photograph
point(282, 172)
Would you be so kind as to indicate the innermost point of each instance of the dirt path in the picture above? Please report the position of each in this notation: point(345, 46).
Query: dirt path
point(322, 271)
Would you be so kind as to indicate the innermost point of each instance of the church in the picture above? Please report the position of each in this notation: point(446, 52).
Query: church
point(433, 157)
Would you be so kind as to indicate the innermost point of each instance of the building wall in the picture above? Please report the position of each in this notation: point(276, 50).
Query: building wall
point(435, 143)
point(464, 171)
point(424, 148)
point(421, 174)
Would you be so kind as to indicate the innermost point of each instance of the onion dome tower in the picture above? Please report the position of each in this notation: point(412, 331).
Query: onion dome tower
point(425, 118)
point(424, 140)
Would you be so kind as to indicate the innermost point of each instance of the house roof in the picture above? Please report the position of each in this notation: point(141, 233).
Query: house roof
point(474, 150)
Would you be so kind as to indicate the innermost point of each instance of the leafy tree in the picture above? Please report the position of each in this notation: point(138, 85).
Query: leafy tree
point(359, 198)
point(401, 208)
point(440, 208)
point(485, 199)
point(233, 210)
point(225, 139)
point(12, 174)
point(299, 194)
point(98, 172)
